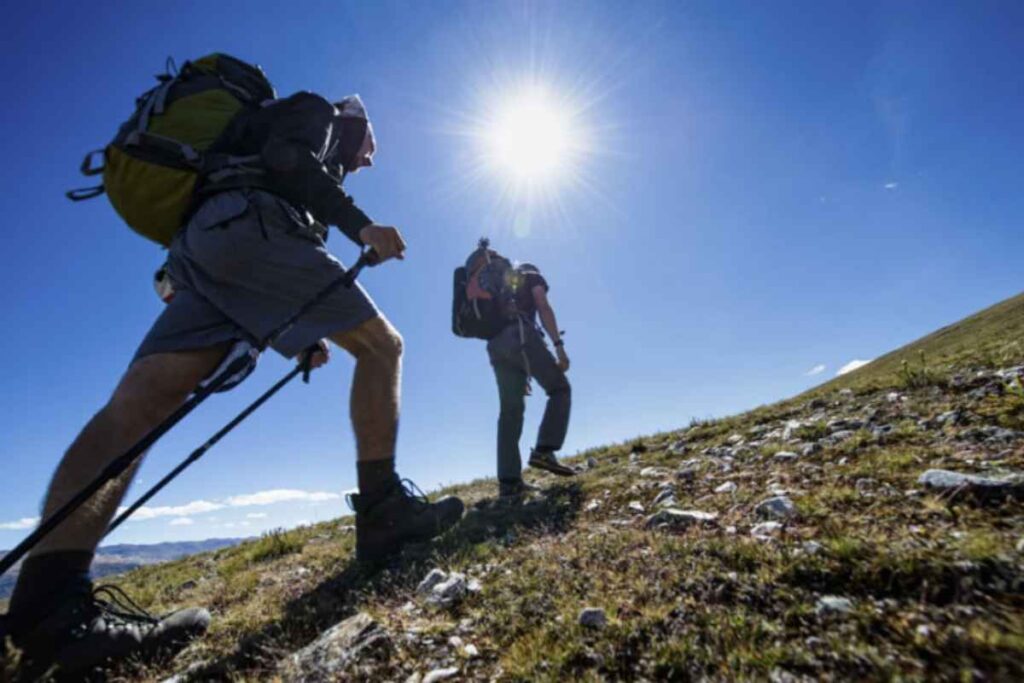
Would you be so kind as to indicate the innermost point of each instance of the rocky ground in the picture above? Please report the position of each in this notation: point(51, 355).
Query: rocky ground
point(870, 529)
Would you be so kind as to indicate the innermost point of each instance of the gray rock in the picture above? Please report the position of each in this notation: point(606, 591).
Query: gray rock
point(591, 462)
point(675, 518)
point(785, 456)
point(832, 604)
point(735, 440)
point(811, 449)
point(766, 530)
point(665, 498)
point(653, 472)
point(846, 392)
point(844, 424)
point(789, 431)
point(449, 591)
point(355, 639)
point(636, 506)
point(593, 617)
point(686, 474)
point(727, 487)
point(959, 485)
point(441, 674)
point(777, 507)
point(434, 577)
point(678, 447)
point(592, 506)
point(811, 547)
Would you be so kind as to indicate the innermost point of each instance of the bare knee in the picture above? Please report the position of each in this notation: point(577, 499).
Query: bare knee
point(376, 338)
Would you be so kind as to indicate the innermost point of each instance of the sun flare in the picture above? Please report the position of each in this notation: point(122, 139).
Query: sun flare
point(532, 139)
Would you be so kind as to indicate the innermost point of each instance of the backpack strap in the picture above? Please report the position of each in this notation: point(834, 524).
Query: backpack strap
point(82, 193)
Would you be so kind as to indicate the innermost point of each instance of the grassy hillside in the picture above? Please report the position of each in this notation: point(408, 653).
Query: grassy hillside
point(870, 575)
point(993, 337)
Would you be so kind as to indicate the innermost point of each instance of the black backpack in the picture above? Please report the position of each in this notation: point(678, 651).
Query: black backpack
point(484, 298)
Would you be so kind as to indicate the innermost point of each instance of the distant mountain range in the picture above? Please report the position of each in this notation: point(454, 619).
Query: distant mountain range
point(115, 559)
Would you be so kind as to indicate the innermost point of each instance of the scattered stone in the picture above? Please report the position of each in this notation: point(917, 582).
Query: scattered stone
point(893, 397)
point(766, 530)
point(959, 485)
point(675, 518)
point(592, 506)
point(678, 447)
point(434, 577)
point(727, 487)
point(441, 674)
point(653, 472)
point(777, 507)
point(593, 617)
point(687, 474)
point(811, 449)
point(591, 462)
point(449, 591)
point(789, 431)
point(785, 456)
point(357, 638)
point(636, 506)
point(665, 497)
point(188, 585)
point(846, 392)
point(864, 485)
point(811, 547)
point(734, 439)
point(832, 604)
point(471, 651)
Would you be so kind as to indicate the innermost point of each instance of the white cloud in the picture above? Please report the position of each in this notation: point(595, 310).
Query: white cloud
point(851, 366)
point(23, 523)
point(182, 521)
point(280, 496)
point(891, 186)
point(196, 507)
point(816, 370)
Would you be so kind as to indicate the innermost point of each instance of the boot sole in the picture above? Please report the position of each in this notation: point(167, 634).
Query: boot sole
point(560, 470)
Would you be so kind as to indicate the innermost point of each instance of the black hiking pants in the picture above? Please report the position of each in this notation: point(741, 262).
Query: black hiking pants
point(518, 353)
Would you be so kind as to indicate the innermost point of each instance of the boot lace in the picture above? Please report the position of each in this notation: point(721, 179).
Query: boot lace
point(115, 604)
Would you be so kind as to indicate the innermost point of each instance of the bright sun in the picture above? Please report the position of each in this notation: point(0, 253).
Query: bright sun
point(532, 139)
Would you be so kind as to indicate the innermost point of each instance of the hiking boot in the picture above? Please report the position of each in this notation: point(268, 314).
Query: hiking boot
point(546, 460)
point(403, 515)
point(90, 629)
point(516, 489)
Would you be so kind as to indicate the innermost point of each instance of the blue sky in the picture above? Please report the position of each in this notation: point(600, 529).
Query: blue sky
point(767, 188)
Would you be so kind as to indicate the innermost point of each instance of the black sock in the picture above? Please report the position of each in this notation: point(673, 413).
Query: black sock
point(376, 477)
point(42, 580)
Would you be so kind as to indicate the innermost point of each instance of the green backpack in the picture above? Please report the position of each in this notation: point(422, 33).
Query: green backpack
point(151, 168)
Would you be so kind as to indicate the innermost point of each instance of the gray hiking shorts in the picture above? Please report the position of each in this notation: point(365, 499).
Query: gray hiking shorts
point(244, 264)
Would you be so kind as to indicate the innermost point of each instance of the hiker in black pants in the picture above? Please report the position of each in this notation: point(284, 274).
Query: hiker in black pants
point(251, 253)
point(518, 352)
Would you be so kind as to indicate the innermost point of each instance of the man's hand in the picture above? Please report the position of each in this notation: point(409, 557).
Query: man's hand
point(385, 240)
point(321, 356)
point(563, 358)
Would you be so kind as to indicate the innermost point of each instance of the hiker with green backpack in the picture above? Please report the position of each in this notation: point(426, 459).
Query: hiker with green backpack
point(239, 186)
point(501, 302)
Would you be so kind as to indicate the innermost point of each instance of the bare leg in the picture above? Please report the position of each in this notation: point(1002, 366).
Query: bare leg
point(151, 390)
point(376, 386)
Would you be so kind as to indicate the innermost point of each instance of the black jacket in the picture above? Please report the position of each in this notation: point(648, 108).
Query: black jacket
point(298, 140)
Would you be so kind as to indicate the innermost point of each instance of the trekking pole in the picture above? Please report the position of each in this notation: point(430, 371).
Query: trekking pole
point(119, 465)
